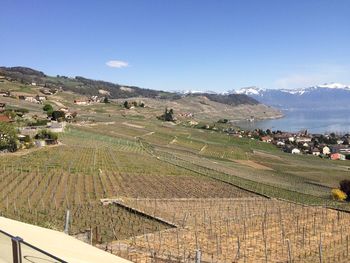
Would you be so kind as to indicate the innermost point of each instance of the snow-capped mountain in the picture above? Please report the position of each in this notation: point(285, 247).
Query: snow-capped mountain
point(187, 92)
point(320, 96)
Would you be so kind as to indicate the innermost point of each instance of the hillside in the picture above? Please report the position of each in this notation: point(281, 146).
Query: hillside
point(21, 80)
point(85, 86)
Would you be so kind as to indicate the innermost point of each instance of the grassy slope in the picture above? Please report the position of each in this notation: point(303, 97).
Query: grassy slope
point(212, 154)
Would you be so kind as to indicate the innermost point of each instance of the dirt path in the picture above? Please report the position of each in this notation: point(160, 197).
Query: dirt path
point(27, 151)
point(133, 125)
point(59, 104)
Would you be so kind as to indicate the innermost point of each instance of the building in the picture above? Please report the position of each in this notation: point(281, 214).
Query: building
point(340, 149)
point(305, 145)
point(5, 94)
point(81, 102)
point(57, 127)
point(280, 143)
point(40, 98)
point(303, 139)
point(338, 156)
point(4, 118)
point(28, 98)
point(326, 150)
point(296, 151)
point(266, 139)
point(315, 152)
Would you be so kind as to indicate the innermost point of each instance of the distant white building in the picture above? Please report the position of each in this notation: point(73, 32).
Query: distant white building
point(303, 139)
point(326, 150)
point(296, 151)
point(57, 127)
point(291, 139)
point(279, 143)
point(316, 152)
point(81, 102)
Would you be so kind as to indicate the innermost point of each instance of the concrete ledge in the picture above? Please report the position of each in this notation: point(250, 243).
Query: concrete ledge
point(57, 243)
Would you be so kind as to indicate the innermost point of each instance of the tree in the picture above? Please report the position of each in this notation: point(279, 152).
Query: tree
point(48, 107)
point(126, 105)
point(168, 115)
point(345, 187)
point(8, 137)
point(46, 135)
point(105, 100)
point(58, 115)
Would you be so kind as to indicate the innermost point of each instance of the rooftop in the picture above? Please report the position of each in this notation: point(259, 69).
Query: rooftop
point(54, 242)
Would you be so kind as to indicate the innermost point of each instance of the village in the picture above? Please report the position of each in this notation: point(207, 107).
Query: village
point(330, 146)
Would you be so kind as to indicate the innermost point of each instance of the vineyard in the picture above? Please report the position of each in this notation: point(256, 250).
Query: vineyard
point(239, 230)
point(175, 191)
point(41, 186)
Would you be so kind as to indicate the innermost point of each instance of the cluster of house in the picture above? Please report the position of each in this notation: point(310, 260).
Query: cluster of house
point(34, 99)
point(39, 99)
point(5, 93)
point(327, 146)
point(89, 101)
point(48, 91)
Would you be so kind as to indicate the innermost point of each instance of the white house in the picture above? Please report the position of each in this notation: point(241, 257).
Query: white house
point(326, 150)
point(81, 102)
point(303, 139)
point(279, 143)
point(291, 139)
point(316, 152)
point(295, 151)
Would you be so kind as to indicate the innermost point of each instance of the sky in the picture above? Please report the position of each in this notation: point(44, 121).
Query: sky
point(215, 45)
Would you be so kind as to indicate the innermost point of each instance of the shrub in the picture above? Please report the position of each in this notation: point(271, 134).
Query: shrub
point(58, 115)
point(46, 135)
point(167, 116)
point(48, 108)
point(345, 186)
point(338, 194)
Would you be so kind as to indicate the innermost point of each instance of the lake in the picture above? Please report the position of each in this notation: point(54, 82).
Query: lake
point(315, 121)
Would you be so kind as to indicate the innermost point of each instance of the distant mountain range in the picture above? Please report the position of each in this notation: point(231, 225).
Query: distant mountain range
point(332, 95)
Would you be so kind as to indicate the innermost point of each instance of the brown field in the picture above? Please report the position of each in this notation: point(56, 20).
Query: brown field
point(238, 230)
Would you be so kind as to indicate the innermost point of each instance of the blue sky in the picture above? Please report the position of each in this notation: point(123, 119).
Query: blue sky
point(179, 45)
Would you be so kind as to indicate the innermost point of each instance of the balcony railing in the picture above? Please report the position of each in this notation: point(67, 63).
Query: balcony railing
point(16, 250)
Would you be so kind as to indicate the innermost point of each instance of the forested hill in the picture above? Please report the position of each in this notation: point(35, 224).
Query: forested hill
point(85, 86)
